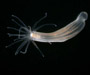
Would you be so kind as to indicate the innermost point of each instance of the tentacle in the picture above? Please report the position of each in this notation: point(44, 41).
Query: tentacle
point(15, 42)
point(9, 34)
point(16, 39)
point(50, 43)
point(38, 48)
point(25, 48)
point(15, 29)
point(39, 21)
point(16, 22)
point(20, 47)
point(19, 20)
point(43, 26)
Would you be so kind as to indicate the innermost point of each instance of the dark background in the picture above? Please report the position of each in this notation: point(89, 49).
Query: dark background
point(70, 57)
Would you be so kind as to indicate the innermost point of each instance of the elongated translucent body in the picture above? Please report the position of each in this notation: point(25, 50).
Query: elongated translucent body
point(63, 34)
point(27, 35)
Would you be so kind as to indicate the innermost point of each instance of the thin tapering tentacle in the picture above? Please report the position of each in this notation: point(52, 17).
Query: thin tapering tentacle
point(38, 48)
point(44, 25)
point(24, 52)
point(19, 20)
point(15, 42)
point(39, 21)
point(15, 29)
point(9, 34)
point(26, 29)
point(16, 39)
point(20, 47)
point(16, 22)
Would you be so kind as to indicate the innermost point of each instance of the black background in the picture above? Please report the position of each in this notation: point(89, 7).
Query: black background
point(70, 57)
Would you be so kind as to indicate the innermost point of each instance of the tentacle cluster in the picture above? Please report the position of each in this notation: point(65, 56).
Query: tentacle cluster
point(24, 34)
